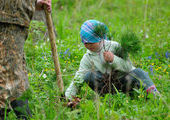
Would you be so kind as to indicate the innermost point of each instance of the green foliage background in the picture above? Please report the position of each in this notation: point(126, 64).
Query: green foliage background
point(149, 19)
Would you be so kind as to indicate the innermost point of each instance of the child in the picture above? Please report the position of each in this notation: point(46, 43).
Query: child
point(102, 69)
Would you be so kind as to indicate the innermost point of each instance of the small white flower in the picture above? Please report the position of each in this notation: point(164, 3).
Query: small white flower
point(79, 45)
point(44, 43)
point(44, 76)
point(64, 70)
point(147, 36)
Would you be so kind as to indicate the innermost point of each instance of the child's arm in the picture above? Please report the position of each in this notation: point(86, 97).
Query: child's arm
point(122, 65)
point(78, 80)
point(117, 62)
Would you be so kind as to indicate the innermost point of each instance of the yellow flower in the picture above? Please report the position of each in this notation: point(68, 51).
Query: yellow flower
point(168, 65)
point(152, 64)
point(69, 62)
point(164, 70)
point(65, 61)
point(156, 69)
point(46, 69)
point(72, 60)
point(168, 116)
point(167, 72)
point(29, 74)
point(75, 57)
point(159, 67)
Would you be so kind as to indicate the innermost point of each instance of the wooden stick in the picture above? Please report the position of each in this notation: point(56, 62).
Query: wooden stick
point(54, 49)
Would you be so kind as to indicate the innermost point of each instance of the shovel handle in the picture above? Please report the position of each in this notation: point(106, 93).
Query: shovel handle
point(54, 48)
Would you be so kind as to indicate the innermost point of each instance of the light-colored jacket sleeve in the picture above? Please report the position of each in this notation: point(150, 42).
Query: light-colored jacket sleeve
point(119, 63)
point(78, 79)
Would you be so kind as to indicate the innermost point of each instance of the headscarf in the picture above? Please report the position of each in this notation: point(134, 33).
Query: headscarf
point(88, 33)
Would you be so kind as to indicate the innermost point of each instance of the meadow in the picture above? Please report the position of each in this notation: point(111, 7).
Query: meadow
point(149, 19)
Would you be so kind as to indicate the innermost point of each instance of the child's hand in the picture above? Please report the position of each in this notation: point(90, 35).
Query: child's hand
point(108, 56)
point(41, 3)
point(73, 103)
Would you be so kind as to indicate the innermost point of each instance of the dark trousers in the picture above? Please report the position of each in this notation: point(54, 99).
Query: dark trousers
point(116, 81)
point(20, 108)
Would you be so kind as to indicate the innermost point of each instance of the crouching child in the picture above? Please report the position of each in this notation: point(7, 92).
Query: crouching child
point(103, 69)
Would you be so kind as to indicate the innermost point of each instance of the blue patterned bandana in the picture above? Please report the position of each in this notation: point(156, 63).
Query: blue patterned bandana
point(88, 34)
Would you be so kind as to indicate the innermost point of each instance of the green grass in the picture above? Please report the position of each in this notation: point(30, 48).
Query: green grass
point(148, 19)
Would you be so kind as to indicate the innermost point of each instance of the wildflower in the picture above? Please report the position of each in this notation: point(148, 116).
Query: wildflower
point(29, 74)
point(41, 46)
point(60, 54)
point(147, 36)
point(159, 67)
point(66, 51)
point(68, 62)
point(164, 70)
point(149, 57)
point(156, 69)
point(44, 76)
point(152, 64)
point(167, 54)
point(46, 69)
point(64, 70)
point(151, 69)
point(72, 60)
point(156, 54)
point(167, 72)
point(75, 57)
point(168, 65)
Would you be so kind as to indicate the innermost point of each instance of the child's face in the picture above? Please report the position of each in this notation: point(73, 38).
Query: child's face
point(94, 47)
